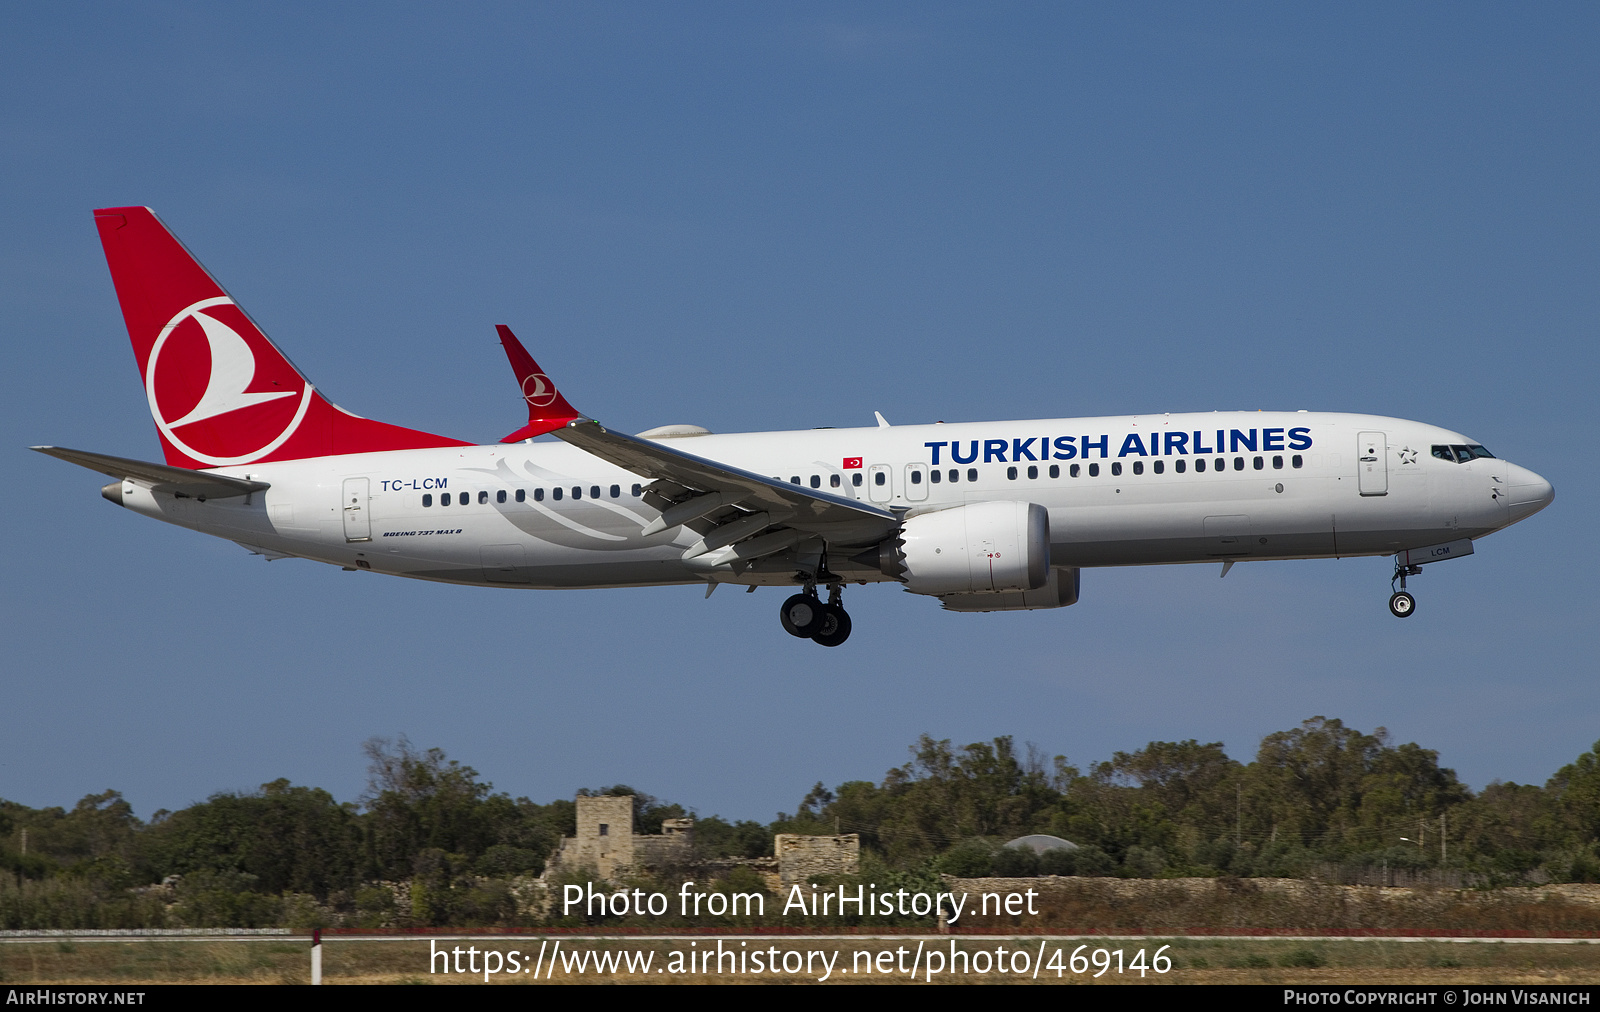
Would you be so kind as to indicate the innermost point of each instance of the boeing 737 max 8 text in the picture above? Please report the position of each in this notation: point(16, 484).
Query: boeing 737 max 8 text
point(984, 516)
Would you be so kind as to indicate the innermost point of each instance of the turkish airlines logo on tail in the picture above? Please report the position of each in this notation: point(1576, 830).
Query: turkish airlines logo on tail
point(246, 424)
point(538, 390)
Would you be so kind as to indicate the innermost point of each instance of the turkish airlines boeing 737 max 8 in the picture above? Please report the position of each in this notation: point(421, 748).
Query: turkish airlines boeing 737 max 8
point(985, 516)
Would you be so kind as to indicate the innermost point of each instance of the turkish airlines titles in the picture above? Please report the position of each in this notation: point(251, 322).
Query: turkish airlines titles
point(1154, 444)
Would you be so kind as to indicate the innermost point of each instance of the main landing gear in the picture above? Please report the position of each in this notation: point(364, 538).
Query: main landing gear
point(1401, 603)
point(804, 615)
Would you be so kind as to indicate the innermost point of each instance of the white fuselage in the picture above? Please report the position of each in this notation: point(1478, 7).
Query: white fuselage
point(1275, 485)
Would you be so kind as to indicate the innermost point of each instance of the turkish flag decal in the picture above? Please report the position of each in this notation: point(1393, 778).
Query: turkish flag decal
point(852, 463)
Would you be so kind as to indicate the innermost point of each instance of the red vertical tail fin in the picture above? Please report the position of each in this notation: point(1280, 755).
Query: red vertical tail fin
point(547, 409)
point(219, 390)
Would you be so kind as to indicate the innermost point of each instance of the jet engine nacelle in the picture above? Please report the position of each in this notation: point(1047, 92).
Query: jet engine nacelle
point(986, 547)
point(1059, 591)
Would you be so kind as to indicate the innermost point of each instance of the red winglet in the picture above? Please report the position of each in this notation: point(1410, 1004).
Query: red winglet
point(547, 409)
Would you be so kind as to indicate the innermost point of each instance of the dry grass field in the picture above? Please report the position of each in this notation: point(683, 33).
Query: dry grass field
point(1185, 914)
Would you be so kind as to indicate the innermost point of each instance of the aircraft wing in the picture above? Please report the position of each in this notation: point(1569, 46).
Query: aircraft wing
point(160, 477)
point(708, 486)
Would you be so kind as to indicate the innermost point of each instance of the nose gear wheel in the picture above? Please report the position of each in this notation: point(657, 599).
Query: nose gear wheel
point(1401, 603)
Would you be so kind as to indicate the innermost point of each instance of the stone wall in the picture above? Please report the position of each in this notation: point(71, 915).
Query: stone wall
point(801, 858)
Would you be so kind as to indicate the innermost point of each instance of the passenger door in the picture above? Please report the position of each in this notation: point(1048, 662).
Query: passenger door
point(357, 510)
point(1372, 463)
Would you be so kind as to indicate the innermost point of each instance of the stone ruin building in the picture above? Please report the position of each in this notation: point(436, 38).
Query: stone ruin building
point(606, 843)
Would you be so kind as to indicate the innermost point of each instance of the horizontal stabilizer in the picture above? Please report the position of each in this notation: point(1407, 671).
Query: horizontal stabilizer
point(160, 477)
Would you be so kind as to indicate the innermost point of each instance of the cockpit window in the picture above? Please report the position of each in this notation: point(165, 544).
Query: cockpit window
point(1459, 453)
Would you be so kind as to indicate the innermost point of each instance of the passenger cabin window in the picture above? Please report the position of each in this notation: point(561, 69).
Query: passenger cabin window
point(855, 479)
point(1138, 467)
point(427, 500)
point(1199, 463)
point(1238, 463)
point(955, 475)
point(1158, 466)
point(972, 474)
point(916, 477)
point(1094, 470)
point(880, 478)
point(538, 495)
point(594, 491)
point(522, 495)
point(1074, 470)
point(794, 479)
point(816, 481)
point(577, 491)
point(1221, 464)
point(1116, 468)
point(1011, 473)
point(483, 498)
point(638, 490)
point(555, 493)
point(616, 491)
point(1055, 470)
point(936, 476)
point(1033, 472)
point(1277, 462)
point(1179, 465)
point(1297, 461)
point(834, 481)
point(466, 498)
point(444, 499)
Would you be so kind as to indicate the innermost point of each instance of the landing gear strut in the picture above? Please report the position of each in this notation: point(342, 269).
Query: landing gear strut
point(805, 616)
point(1401, 603)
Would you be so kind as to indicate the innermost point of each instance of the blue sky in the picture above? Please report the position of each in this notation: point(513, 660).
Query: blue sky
point(757, 217)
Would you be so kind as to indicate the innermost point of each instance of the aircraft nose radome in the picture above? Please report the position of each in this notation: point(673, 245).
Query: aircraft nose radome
point(1526, 492)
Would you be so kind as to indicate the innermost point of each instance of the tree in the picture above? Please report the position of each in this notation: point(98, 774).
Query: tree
point(421, 800)
point(281, 838)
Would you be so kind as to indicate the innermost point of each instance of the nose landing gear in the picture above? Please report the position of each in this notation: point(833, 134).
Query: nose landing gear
point(1401, 603)
point(805, 616)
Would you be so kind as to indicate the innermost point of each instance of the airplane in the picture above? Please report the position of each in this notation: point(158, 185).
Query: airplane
point(983, 516)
